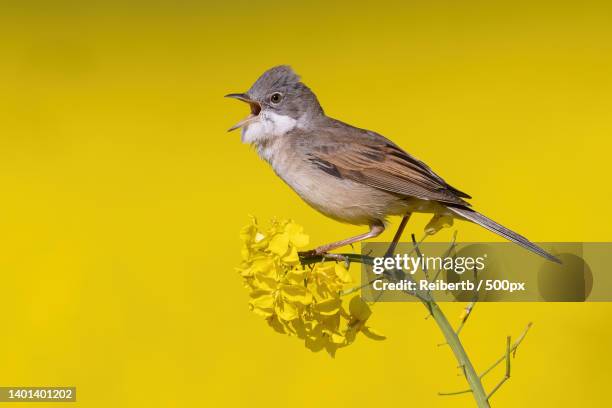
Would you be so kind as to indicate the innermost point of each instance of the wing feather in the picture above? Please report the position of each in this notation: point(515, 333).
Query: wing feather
point(371, 159)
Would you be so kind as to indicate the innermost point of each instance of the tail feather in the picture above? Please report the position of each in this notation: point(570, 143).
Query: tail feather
point(502, 231)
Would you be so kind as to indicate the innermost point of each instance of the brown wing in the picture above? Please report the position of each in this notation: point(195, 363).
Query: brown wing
point(371, 159)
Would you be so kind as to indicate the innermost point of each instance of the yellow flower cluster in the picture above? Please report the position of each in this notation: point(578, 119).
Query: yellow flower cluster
point(298, 300)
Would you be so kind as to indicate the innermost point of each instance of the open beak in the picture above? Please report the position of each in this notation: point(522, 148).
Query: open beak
point(255, 109)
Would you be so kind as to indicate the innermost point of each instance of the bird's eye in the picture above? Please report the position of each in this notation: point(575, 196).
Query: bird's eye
point(276, 97)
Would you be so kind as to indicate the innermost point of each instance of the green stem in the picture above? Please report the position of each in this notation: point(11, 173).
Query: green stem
point(451, 336)
point(464, 361)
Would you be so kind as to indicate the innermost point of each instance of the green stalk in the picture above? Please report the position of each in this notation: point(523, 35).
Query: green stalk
point(452, 339)
point(464, 361)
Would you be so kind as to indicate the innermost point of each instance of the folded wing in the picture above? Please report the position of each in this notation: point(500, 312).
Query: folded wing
point(371, 159)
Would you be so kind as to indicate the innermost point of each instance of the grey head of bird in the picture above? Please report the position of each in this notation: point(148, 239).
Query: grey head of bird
point(279, 102)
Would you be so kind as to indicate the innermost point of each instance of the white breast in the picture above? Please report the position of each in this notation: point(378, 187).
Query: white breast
point(268, 126)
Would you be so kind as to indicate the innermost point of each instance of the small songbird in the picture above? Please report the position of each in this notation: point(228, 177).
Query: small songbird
point(349, 174)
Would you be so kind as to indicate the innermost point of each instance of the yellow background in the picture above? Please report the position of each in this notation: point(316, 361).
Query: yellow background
point(123, 195)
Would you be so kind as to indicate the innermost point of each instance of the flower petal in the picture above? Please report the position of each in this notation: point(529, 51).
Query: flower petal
point(292, 257)
point(324, 271)
point(286, 311)
point(296, 276)
point(342, 273)
point(297, 294)
point(279, 244)
point(328, 307)
point(262, 299)
point(276, 324)
point(264, 282)
point(263, 266)
point(296, 236)
point(372, 334)
point(315, 343)
point(247, 233)
point(337, 338)
point(359, 309)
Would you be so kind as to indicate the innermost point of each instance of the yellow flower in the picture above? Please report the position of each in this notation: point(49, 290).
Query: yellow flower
point(297, 300)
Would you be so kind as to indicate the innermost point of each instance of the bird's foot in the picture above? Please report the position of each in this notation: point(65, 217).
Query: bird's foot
point(320, 251)
point(335, 257)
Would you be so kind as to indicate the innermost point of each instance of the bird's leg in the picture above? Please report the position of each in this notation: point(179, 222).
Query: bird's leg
point(375, 230)
point(398, 235)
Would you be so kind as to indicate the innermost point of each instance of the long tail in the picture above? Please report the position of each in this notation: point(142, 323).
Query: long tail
point(492, 226)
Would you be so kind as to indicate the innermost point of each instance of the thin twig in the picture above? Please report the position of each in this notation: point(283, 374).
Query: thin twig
point(470, 306)
point(446, 253)
point(468, 312)
point(454, 392)
point(512, 350)
point(507, 376)
point(420, 255)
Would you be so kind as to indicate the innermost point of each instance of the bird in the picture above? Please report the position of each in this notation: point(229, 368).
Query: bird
point(352, 175)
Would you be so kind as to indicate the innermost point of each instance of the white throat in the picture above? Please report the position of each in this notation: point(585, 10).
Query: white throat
point(268, 125)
